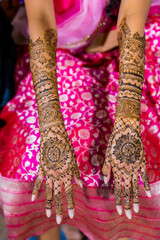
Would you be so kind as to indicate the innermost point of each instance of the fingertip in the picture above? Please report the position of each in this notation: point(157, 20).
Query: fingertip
point(148, 193)
point(128, 214)
point(119, 209)
point(106, 179)
point(33, 198)
point(80, 183)
point(58, 219)
point(71, 213)
point(136, 207)
point(48, 213)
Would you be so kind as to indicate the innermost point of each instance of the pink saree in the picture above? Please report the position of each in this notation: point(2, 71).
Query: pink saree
point(87, 85)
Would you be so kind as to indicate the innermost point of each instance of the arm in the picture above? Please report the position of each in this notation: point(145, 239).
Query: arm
point(125, 153)
point(57, 157)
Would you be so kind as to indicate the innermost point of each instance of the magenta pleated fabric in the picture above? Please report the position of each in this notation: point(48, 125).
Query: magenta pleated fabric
point(88, 85)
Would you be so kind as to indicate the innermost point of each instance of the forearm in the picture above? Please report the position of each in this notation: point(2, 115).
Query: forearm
point(43, 42)
point(131, 41)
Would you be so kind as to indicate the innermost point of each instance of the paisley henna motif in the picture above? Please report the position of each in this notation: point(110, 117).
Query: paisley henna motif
point(57, 158)
point(125, 153)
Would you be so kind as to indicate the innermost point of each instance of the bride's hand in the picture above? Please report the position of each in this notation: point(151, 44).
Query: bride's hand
point(125, 155)
point(58, 165)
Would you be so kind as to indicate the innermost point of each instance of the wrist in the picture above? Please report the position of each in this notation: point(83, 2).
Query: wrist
point(128, 108)
point(49, 114)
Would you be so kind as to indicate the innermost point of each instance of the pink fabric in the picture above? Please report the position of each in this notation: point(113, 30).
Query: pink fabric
point(95, 213)
point(62, 6)
point(88, 85)
point(79, 21)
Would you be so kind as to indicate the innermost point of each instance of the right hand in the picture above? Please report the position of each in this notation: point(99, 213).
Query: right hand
point(58, 165)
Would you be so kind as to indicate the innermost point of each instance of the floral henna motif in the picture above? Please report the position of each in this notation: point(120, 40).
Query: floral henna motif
point(131, 71)
point(125, 155)
point(125, 152)
point(57, 157)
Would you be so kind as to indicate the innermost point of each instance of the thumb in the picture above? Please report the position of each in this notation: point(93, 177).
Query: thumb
point(106, 170)
point(77, 176)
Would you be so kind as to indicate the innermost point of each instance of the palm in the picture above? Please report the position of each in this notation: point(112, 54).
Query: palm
point(125, 155)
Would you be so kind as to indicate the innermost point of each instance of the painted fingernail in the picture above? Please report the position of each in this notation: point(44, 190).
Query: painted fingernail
point(48, 213)
point(71, 213)
point(105, 180)
point(136, 207)
point(58, 219)
point(119, 209)
point(81, 184)
point(128, 214)
point(33, 198)
point(148, 193)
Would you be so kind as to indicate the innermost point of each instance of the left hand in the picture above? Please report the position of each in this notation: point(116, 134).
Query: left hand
point(125, 155)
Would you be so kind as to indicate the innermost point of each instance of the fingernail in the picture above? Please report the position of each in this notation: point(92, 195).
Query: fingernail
point(128, 214)
point(148, 193)
point(48, 213)
point(71, 213)
point(105, 180)
point(136, 207)
point(81, 184)
point(33, 197)
point(58, 219)
point(119, 209)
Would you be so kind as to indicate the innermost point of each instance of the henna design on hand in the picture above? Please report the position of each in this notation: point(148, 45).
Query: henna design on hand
point(131, 71)
point(57, 157)
point(125, 153)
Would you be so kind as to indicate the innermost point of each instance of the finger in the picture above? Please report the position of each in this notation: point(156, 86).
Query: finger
point(37, 184)
point(58, 201)
point(106, 179)
point(106, 170)
point(127, 198)
point(70, 198)
point(144, 177)
point(77, 174)
point(135, 187)
point(79, 182)
point(118, 195)
point(49, 196)
point(76, 171)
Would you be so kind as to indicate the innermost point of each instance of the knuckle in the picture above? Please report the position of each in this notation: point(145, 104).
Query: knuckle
point(118, 196)
point(48, 204)
point(70, 197)
point(58, 207)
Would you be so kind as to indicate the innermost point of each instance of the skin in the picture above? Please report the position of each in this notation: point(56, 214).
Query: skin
point(125, 153)
point(57, 158)
point(39, 22)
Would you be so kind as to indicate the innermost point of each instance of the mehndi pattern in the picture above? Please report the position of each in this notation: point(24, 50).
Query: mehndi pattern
point(57, 157)
point(125, 153)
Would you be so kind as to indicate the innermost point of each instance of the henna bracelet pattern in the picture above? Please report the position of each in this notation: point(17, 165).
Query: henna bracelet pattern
point(43, 69)
point(131, 71)
point(125, 152)
point(57, 157)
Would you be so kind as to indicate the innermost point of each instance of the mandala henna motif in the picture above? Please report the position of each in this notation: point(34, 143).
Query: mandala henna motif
point(57, 157)
point(127, 145)
point(125, 152)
